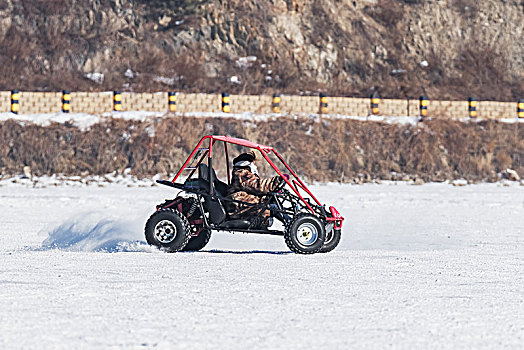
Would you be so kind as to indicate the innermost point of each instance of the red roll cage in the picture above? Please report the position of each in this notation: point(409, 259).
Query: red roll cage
point(294, 183)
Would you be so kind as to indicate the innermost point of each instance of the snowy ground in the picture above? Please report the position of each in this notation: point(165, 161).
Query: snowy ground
point(85, 121)
point(419, 267)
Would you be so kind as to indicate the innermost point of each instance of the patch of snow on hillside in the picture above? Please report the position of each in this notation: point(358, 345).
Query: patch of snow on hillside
point(85, 121)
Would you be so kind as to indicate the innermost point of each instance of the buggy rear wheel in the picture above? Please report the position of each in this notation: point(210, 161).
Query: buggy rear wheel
point(305, 234)
point(198, 242)
point(168, 230)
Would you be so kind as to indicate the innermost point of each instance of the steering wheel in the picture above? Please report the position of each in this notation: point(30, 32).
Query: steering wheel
point(280, 186)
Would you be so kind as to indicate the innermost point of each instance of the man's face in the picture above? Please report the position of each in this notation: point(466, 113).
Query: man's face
point(254, 168)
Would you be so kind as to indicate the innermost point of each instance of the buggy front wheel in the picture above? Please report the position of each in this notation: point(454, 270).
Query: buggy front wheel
point(305, 234)
point(332, 240)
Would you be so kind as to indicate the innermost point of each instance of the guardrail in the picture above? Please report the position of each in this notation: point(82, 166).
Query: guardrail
point(67, 101)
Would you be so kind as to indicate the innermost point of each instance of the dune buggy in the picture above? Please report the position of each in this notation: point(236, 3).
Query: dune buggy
point(186, 222)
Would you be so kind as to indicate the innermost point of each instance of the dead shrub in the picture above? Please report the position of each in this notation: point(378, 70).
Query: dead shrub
point(386, 12)
point(484, 74)
point(320, 150)
point(47, 7)
point(412, 2)
point(467, 8)
point(502, 160)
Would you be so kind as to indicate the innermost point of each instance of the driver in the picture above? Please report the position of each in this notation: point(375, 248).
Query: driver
point(247, 186)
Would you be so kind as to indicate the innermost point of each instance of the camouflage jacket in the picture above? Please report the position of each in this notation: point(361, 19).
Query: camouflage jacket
point(249, 188)
point(244, 180)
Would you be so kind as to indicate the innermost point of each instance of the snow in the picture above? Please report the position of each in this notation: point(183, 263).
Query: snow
point(81, 120)
point(460, 182)
point(234, 79)
point(432, 266)
point(166, 80)
point(96, 77)
point(246, 62)
point(129, 73)
point(85, 121)
point(398, 71)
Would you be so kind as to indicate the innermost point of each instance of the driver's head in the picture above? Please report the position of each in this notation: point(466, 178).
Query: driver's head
point(246, 161)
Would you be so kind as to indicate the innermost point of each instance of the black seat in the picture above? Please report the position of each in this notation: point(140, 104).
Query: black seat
point(215, 207)
point(219, 186)
point(236, 224)
point(217, 214)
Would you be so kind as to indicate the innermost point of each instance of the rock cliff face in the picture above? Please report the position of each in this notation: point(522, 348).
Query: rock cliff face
point(447, 49)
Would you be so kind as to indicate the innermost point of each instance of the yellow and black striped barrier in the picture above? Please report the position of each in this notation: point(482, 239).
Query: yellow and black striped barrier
point(117, 101)
point(15, 101)
point(275, 103)
point(520, 108)
point(374, 103)
point(66, 101)
point(171, 100)
point(323, 103)
point(472, 107)
point(423, 103)
point(225, 103)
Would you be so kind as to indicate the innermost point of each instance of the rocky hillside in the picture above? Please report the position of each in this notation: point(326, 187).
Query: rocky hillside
point(447, 49)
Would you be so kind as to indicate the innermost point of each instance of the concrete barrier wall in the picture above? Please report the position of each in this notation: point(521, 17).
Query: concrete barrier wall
point(495, 110)
point(251, 103)
point(89, 102)
point(40, 102)
point(102, 102)
point(5, 101)
point(197, 103)
point(152, 102)
point(348, 106)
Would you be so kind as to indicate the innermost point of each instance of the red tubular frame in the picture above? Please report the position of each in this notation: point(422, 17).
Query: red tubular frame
point(264, 150)
point(227, 164)
point(190, 156)
point(296, 177)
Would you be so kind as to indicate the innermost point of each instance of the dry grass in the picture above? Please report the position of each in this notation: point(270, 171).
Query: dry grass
point(321, 150)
